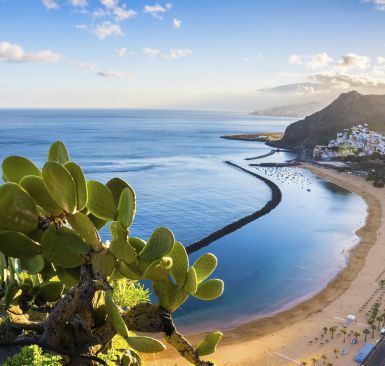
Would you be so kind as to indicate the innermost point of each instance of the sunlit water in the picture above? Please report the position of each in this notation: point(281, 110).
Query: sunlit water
point(174, 159)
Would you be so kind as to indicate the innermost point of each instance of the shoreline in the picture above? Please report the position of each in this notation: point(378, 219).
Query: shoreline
point(281, 329)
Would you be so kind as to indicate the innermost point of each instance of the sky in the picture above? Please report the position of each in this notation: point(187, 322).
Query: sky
point(202, 54)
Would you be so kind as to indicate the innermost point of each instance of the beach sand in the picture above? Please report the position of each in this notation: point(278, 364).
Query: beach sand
point(292, 333)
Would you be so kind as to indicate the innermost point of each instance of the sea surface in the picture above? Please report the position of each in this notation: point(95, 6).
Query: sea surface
point(174, 160)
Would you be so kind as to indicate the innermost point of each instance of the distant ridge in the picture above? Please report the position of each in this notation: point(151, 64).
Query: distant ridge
point(297, 110)
point(347, 110)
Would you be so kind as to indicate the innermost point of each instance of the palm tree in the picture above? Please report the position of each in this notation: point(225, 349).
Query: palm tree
point(366, 331)
point(324, 357)
point(356, 335)
point(336, 352)
point(344, 332)
point(332, 330)
point(379, 319)
point(304, 363)
point(314, 360)
point(373, 329)
point(382, 283)
point(325, 329)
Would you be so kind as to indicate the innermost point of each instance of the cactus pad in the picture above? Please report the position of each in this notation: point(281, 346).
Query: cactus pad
point(60, 185)
point(16, 167)
point(209, 344)
point(63, 247)
point(180, 264)
point(80, 183)
point(205, 266)
point(17, 209)
point(100, 201)
point(210, 290)
point(17, 245)
point(58, 153)
point(38, 191)
point(160, 243)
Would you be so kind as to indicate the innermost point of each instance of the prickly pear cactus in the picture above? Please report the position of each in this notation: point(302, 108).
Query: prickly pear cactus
point(53, 262)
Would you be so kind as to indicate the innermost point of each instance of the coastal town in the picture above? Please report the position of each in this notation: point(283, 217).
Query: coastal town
point(357, 141)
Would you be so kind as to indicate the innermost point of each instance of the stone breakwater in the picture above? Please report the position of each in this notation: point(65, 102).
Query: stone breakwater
point(276, 197)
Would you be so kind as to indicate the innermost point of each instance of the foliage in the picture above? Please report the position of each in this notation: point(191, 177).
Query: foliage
point(52, 257)
point(33, 356)
point(128, 293)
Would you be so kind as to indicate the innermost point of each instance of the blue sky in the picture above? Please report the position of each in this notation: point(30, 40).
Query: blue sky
point(200, 54)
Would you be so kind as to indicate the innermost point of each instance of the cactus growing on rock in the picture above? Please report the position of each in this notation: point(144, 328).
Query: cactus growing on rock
point(52, 260)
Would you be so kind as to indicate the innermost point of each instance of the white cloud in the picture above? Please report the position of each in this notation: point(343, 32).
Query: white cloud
point(296, 59)
point(314, 62)
point(177, 23)
point(109, 3)
point(107, 29)
point(353, 61)
point(114, 74)
point(379, 4)
point(172, 55)
point(155, 10)
point(92, 67)
point(81, 26)
point(15, 53)
point(50, 4)
point(169, 6)
point(121, 52)
point(123, 13)
point(79, 3)
point(381, 60)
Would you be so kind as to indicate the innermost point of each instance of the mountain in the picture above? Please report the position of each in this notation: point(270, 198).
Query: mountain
point(347, 110)
point(298, 110)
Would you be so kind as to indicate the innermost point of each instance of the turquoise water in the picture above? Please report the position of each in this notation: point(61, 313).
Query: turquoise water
point(174, 159)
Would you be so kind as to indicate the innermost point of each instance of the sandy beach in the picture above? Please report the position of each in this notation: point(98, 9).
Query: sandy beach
point(297, 333)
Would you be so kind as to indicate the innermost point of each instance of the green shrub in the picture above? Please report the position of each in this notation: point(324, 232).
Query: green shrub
point(33, 356)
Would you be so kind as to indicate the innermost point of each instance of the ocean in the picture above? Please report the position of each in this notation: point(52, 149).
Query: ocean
point(175, 162)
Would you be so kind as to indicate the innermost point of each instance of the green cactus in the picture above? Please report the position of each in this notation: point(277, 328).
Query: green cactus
point(170, 297)
point(191, 285)
point(137, 243)
point(209, 344)
point(116, 186)
point(17, 209)
point(32, 265)
point(58, 153)
point(205, 266)
point(100, 201)
point(84, 227)
point(120, 246)
point(127, 207)
point(209, 290)
point(68, 276)
point(18, 245)
point(60, 185)
point(80, 184)
point(16, 167)
point(38, 191)
point(160, 243)
point(63, 247)
point(180, 268)
point(50, 291)
point(158, 270)
point(52, 257)
point(145, 344)
point(103, 263)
